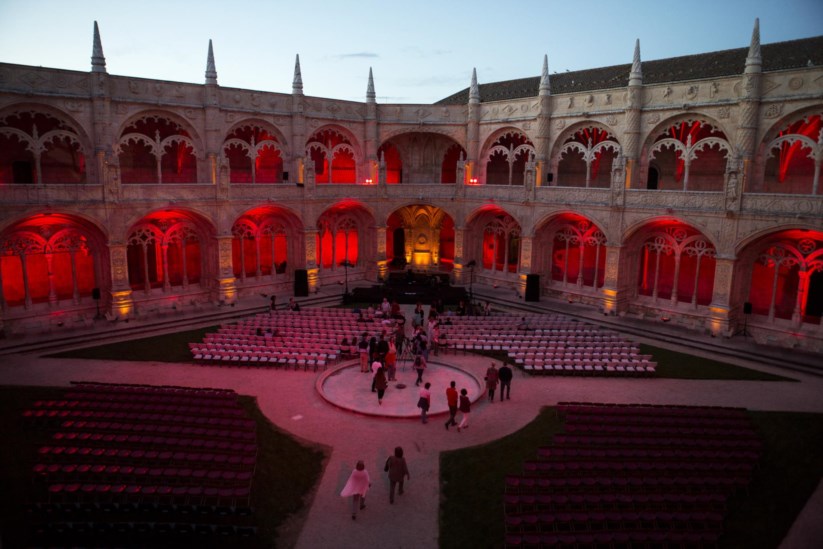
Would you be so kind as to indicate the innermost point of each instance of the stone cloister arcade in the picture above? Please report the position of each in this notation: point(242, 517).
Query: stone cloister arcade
point(685, 200)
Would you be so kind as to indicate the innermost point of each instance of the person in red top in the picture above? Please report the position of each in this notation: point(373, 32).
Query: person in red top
point(451, 398)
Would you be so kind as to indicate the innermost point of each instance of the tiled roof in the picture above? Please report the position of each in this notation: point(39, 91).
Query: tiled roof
point(781, 55)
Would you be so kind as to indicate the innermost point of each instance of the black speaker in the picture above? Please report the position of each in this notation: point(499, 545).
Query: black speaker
point(747, 308)
point(285, 176)
point(301, 283)
point(533, 287)
point(549, 177)
point(95, 294)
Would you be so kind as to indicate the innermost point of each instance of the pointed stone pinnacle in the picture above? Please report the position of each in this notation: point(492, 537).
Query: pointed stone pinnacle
point(545, 84)
point(211, 70)
point(636, 74)
point(370, 95)
point(98, 60)
point(297, 83)
point(754, 60)
point(474, 90)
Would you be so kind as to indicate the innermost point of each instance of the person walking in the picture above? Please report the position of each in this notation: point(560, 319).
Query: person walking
point(356, 487)
point(492, 377)
point(375, 366)
point(398, 470)
point(380, 384)
point(424, 402)
point(420, 366)
point(465, 408)
point(451, 399)
point(505, 375)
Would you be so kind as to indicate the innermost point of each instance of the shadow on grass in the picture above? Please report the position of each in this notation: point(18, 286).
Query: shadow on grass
point(163, 348)
point(285, 479)
point(472, 512)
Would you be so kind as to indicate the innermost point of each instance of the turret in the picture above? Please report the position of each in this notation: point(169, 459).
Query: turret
point(98, 60)
point(211, 70)
point(297, 83)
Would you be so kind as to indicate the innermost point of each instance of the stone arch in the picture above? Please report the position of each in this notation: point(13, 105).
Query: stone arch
point(35, 248)
point(691, 152)
point(170, 250)
point(346, 235)
point(424, 156)
point(670, 259)
point(583, 155)
point(157, 146)
point(334, 154)
point(255, 151)
point(569, 251)
point(40, 144)
point(428, 236)
point(791, 153)
point(267, 245)
point(492, 239)
point(504, 156)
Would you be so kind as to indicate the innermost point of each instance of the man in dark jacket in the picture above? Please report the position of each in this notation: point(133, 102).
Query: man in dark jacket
point(505, 377)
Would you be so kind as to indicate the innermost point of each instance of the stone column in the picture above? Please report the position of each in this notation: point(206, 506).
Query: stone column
point(631, 147)
point(720, 309)
point(617, 290)
point(226, 283)
point(541, 142)
point(526, 262)
point(122, 304)
point(459, 268)
point(473, 130)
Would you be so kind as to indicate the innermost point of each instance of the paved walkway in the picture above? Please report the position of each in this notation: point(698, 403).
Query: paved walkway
point(290, 400)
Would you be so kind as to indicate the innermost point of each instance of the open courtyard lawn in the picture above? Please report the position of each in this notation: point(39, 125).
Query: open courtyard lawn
point(284, 482)
point(471, 508)
point(676, 365)
point(163, 348)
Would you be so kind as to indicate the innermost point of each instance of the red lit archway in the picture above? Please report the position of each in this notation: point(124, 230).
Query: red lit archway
point(389, 154)
point(585, 159)
point(254, 154)
point(786, 276)
point(675, 262)
point(50, 258)
point(421, 158)
point(167, 250)
point(39, 147)
point(345, 237)
point(690, 155)
point(154, 148)
point(570, 250)
point(493, 241)
point(505, 159)
point(265, 245)
point(333, 156)
point(794, 157)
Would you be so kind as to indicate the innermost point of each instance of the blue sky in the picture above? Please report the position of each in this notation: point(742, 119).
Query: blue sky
point(420, 50)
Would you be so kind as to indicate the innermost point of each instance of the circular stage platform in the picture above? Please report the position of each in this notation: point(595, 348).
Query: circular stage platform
point(348, 388)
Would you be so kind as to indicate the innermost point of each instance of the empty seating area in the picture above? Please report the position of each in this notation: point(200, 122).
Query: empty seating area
point(548, 344)
point(302, 340)
point(632, 475)
point(145, 462)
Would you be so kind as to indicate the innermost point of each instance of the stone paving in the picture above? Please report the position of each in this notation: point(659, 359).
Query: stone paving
point(290, 399)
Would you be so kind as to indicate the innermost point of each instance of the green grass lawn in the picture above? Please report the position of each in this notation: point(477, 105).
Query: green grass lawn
point(675, 365)
point(471, 510)
point(286, 475)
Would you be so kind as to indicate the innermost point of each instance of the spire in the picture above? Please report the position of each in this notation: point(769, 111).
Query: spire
point(98, 61)
point(211, 71)
point(297, 83)
point(474, 90)
point(370, 95)
point(753, 60)
point(636, 74)
point(545, 85)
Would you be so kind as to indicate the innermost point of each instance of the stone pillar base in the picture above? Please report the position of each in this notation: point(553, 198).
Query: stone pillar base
point(313, 279)
point(227, 290)
point(122, 305)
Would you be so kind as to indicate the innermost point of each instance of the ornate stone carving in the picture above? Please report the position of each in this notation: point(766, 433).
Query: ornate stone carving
point(559, 124)
point(653, 119)
point(724, 112)
point(773, 110)
point(795, 82)
point(611, 120)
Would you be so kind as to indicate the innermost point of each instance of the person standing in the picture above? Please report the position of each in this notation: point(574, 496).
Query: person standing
point(505, 375)
point(356, 487)
point(382, 348)
point(465, 409)
point(492, 377)
point(375, 366)
point(397, 469)
point(363, 351)
point(272, 304)
point(391, 361)
point(424, 402)
point(420, 366)
point(293, 305)
point(380, 384)
point(451, 399)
